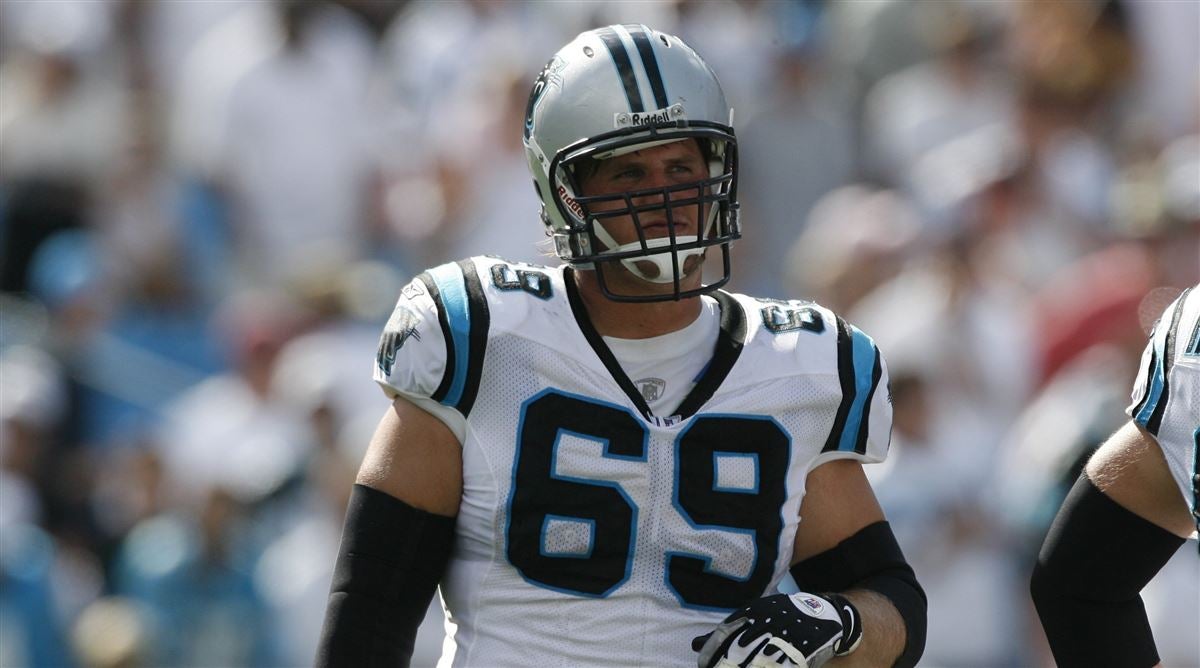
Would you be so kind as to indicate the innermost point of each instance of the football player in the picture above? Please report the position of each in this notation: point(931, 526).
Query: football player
point(1131, 509)
point(614, 462)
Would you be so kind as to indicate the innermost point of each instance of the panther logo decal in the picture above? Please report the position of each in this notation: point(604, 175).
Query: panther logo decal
point(401, 327)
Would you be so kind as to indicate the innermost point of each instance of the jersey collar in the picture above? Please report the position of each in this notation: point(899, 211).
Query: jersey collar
point(730, 340)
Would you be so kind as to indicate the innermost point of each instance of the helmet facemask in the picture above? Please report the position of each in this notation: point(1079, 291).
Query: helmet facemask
point(616, 90)
point(670, 259)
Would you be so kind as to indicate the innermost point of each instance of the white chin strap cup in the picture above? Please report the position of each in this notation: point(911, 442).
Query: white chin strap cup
point(661, 261)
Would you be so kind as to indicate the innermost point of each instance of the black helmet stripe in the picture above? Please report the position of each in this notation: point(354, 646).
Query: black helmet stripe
point(624, 68)
point(641, 38)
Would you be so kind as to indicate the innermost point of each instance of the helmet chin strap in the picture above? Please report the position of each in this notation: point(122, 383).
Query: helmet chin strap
point(661, 261)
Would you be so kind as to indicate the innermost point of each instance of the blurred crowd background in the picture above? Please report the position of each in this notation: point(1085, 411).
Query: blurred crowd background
point(207, 209)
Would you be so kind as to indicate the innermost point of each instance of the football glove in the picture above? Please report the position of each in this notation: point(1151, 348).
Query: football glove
point(803, 630)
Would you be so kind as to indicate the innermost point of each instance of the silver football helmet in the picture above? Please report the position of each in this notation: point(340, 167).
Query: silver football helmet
point(616, 90)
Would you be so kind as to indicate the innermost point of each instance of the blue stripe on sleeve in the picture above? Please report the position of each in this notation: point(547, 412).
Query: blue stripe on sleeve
point(863, 349)
point(1156, 379)
point(453, 289)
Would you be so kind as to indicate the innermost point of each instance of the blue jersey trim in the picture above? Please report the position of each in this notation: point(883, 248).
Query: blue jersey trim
point(1156, 383)
point(864, 364)
point(453, 290)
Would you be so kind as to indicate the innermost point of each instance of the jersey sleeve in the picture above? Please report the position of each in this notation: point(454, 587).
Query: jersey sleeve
point(432, 347)
point(411, 358)
point(1166, 393)
point(862, 427)
point(1174, 340)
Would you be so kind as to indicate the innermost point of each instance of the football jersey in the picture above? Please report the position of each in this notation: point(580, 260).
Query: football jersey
point(1166, 394)
point(591, 530)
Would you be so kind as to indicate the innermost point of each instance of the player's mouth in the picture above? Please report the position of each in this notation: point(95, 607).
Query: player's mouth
point(659, 228)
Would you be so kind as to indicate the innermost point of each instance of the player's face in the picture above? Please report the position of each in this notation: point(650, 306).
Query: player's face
point(673, 164)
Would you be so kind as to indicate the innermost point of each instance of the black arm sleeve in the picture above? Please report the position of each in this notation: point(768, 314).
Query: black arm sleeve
point(871, 559)
point(1095, 561)
point(391, 560)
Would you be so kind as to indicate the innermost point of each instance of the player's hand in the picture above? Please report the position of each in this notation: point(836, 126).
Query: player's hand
point(802, 629)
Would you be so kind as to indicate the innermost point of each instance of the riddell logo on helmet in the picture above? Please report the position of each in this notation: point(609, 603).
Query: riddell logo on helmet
point(648, 118)
point(570, 201)
point(635, 119)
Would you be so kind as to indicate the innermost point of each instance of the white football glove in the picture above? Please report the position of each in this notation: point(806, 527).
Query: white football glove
point(802, 630)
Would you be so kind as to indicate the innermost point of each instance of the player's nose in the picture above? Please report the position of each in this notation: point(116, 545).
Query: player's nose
point(653, 185)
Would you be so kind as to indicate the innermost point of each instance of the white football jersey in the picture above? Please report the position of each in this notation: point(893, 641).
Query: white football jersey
point(592, 531)
point(1166, 394)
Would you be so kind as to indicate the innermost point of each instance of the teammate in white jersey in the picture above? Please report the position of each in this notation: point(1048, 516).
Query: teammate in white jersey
point(614, 462)
point(1136, 502)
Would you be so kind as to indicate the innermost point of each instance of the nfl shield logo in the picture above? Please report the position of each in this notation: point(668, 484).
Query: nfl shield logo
point(651, 388)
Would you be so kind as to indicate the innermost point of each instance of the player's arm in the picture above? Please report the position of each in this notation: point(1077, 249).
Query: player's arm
point(845, 545)
point(1130, 469)
point(396, 541)
point(1119, 525)
point(860, 603)
point(865, 607)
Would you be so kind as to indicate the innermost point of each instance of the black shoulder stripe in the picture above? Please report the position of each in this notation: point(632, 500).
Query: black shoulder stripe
point(845, 362)
point(860, 441)
point(730, 341)
point(1155, 421)
point(642, 40)
point(624, 68)
point(448, 374)
point(480, 322)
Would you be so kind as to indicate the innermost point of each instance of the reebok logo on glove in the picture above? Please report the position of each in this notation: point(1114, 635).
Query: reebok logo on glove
point(813, 604)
